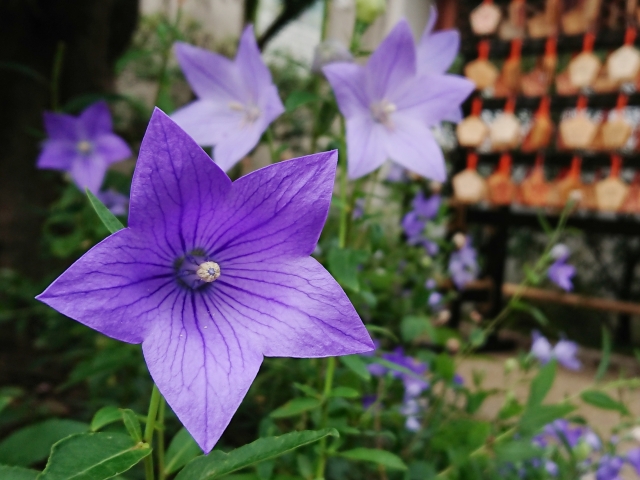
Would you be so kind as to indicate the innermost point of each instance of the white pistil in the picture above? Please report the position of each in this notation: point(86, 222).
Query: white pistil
point(251, 112)
point(84, 146)
point(382, 111)
point(208, 271)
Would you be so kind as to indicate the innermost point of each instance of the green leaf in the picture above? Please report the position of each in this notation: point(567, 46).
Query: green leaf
point(602, 400)
point(297, 99)
point(413, 326)
point(541, 384)
point(356, 365)
point(182, 450)
point(517, 451)
point(93, 456)
point(345, 392)
point(533, 419)
point(17, 473)
point(374, 455)
point(296, 407)
point(109, 219)
point(536, 313)
point(343, 265)
point(104, 417)
point(39, 438)
point(445, 366)
point(4, 401)
point(606, 354)
point(132, 423)
point(218, 464)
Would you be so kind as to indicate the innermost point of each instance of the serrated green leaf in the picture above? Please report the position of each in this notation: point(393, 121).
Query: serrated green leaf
point(218, 464)
point(182, 450)
point(602, 400)
point(377, 456)
point(39, 437)
point(108, 219)
point(132, 424)
point(356, 365)
point(17, 473)
point(297, 99)
point(296, 407)
point(104, 417)
point(93, 456)
point(541, 384)
point(345, 392)
point(343, 264)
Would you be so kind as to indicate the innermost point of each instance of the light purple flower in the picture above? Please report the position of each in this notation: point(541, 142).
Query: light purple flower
point(565, 351)
point(560, 272)
point(430, 284)
point(84, 146)
point(329, 51)
point(633, 458)
point(551, 468)
point(211, 276)
point(390, 108)
point(426, 208)
point(436, 53)
point(396, 174)
point(609, 468)
point(413, 227)
point(463, 265)
point(116, 202)
point(237, 99)
point(435, 299)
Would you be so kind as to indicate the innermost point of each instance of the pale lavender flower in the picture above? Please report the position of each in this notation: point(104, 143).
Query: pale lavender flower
point(426, 208)
point(390, 108)
point(329, 51)
point(435, 299)
point(560, 272)
point(565, 351)
point(609, 468)
point(396, 174)
point(84, 146)
point(236, 102)
point(211, 276)
point(551, 468)
point(430, 284)
point(633, 458)
point(115, 201)
point(463, 265)
point(436, 51)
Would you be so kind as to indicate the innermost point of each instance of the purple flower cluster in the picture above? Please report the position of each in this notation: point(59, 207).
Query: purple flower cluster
point(560, 272)
point(463, 265)
point(565, 351)
point(84, 146)
point(414, 222)
point(392, 102)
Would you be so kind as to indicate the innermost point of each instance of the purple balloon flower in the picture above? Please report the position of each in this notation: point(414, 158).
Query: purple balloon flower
point(237, 99)
point(116, 202)
point(211, 276)
point(390, 107)
point(84, 146)
point(565, 351)
point(560, 272)
point(609, 468)
point(633, 457)
point(463, 265)
point(435, 54)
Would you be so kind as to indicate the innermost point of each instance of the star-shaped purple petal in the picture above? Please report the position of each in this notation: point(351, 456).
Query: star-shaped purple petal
point(236, 102)
point(210, 276)
point(390, 107)
point(84, 146)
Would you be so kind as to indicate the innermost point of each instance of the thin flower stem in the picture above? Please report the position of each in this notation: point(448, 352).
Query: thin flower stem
point(328, 385)
point(154, 405)
point(162, 77)
point(272, 148)
point(160, 447)
point(56, 73)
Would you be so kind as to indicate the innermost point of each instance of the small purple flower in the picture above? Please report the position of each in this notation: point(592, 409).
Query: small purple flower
point(413, 227)
point(633, 458)
point(430, 284)
point(358, 208)
point(116, 202)
point(390, 108)
point(368, 401)
point(565, 351)
point(609, 468)
point(237, 99)
point(396, 174)
point(329, 51)
point(560, 272)
point(435, 299)
point(436, 52)
point(458, 380)
point(211, 276)
point(426, 208)
point(84, 146)
point(463, 265)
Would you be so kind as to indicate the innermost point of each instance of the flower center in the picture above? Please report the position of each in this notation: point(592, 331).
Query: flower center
point(251, 112)
point(195, 270)
point(84, 147)
point(381, 112)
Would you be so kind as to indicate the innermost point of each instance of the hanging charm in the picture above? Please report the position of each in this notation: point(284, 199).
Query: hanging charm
point(481, 71)
point(612, 191)
point(505, 130)
point(485, 18)
point(578, 132)
point(616, 131)
point(623, 64)
point(501, 188)
point(468, 186)
point(472, 131)
point(542, 129)
point(584, 67)
point(534, 190)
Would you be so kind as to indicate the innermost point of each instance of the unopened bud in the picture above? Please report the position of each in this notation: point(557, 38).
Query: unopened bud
point(510, 365)
point(475, 316)
point(453, 345)
point(368, 10)
point(459, 240)
point(443, 318)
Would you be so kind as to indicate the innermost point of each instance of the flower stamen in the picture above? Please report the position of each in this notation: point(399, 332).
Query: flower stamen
point(251, 112)
point(208, 271)
point(382, 111)
point(84, 146)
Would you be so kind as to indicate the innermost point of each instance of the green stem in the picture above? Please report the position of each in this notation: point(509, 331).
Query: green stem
point(154, 405)
point(162, 77)
point(272, 148)
point(160, 447)
point(328, 385)
point(55, 75)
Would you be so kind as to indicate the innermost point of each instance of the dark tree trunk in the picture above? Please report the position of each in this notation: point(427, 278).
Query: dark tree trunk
point(94, 33)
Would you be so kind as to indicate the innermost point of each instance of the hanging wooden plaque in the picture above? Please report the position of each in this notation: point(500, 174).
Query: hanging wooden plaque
point(468, 186)
point(612, 191)
point(472, 131)
point(542, 129)
point(482, 72)
point(485, 18)
point(631, 204)
point(534, 190)
point(584, 69)
point(623, 64)
point(500, 187)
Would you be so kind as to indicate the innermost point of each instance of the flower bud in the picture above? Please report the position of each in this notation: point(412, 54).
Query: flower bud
point(453, 345)
point(475, 316)
point(510, 365)
point(443, 318)
point(459, 240)
point(368, 10)
point(582, 451)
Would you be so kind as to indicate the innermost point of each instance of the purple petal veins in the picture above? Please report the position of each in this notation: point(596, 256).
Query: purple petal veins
point(210, 276)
